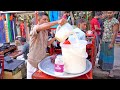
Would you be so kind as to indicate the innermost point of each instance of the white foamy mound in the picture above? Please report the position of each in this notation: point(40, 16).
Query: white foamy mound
point(74, 57)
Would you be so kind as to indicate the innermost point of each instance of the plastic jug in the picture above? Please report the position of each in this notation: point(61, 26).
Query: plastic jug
point(74, 56)
point(63, 32)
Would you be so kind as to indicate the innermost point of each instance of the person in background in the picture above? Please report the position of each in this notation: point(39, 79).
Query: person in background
point(81, 26)
point(68, 14)
point(25, 50)
point(106, 57)
point(101, 21)
point(95, 27)
point(22, 29)
point(39, 42)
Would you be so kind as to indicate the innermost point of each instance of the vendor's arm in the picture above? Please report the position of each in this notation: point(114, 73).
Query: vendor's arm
point(37, 28)
point(46, 26)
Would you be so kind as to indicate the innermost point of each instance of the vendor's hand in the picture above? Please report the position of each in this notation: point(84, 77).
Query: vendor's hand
point(64, 16)
point(110, 46)
point(62, 21)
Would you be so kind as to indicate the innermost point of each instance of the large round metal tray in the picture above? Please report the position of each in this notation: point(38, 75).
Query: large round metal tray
point(47, 67)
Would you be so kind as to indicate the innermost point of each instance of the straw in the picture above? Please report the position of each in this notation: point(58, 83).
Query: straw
point(68, 18)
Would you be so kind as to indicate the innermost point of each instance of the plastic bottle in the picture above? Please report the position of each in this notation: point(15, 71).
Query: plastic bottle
point(59, 65)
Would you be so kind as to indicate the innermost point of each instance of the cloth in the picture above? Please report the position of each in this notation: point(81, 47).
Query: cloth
point(106, 57)
point(80, 34)
point(18, 30)
point(38, 45)
point(22, 29)
point(2, 32)
point(53, 15)
point(93, 22)
point(25, 27)
point(14, 27)
point(108, 29)
point(30, 70)
point(11, 29)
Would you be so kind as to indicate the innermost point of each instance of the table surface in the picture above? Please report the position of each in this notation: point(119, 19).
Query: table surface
point(40, 75)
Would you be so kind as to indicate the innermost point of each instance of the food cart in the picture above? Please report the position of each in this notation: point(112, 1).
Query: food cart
point(91, 50)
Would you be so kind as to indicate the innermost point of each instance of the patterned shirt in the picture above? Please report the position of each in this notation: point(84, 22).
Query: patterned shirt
point(108, 29)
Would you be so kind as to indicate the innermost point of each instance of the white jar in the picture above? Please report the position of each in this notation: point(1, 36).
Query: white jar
point(59, 65)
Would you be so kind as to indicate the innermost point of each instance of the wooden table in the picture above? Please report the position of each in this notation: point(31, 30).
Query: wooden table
point(8, 50)
point(40, 75)
point(14, 53)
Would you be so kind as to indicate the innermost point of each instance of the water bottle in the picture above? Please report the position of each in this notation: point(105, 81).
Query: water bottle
point(59, 65)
